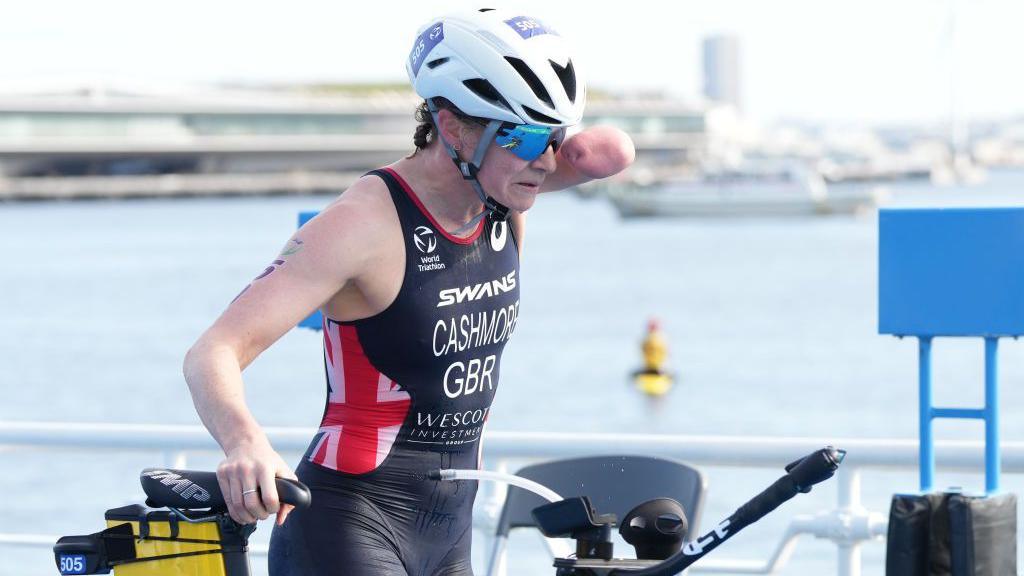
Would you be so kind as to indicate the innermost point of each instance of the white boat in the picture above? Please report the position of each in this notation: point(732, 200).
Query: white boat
point(792, 192)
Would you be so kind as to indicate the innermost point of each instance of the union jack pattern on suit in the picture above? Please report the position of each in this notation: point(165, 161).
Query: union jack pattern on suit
point(365, 409)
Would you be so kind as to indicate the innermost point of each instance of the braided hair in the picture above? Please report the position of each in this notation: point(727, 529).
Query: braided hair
point(425, 131)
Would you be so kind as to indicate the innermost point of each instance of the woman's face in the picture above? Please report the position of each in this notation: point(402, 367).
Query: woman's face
point(509, 179)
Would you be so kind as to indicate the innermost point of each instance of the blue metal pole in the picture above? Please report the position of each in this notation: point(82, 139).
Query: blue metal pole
point(975, 413)
point(926, 458)
point(993, 465)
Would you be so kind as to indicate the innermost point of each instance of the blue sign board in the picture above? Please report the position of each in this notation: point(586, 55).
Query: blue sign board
point(315, 320)
point(951, 272)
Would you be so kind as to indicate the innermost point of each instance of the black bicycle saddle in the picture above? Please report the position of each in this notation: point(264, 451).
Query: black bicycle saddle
point(196, 490)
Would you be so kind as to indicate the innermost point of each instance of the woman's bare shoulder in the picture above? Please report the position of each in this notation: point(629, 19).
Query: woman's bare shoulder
point(365, 207)
point(367, 197)
point(357, 225)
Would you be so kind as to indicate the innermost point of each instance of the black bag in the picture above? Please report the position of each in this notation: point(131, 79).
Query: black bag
point(951, 534)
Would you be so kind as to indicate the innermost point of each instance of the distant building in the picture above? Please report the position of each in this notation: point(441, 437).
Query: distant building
point(722, 69)
point(218, 131)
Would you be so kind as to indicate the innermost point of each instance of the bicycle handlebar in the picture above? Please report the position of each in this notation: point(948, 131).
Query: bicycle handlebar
point(800, 476)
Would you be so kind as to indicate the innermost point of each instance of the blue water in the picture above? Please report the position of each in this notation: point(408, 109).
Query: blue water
point(771, 324)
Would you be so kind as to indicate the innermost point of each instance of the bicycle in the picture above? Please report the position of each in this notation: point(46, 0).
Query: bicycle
point(195, 535)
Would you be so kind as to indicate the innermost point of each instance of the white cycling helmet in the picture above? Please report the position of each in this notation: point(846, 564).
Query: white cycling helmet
point(499, 65)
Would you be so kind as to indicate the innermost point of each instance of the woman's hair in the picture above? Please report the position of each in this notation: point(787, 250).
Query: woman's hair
point(426, 131)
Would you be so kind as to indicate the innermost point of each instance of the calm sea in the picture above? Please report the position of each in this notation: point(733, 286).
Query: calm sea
point(771, 323)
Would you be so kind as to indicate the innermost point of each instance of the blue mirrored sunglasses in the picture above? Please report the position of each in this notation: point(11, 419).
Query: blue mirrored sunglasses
point(529, 141)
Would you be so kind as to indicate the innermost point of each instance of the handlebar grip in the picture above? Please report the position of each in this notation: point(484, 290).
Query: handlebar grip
point(293, 492)
point(815, 467)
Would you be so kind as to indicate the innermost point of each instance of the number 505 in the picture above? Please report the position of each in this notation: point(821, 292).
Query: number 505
point(72, 564)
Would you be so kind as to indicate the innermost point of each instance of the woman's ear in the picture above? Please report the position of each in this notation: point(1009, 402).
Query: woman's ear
point(451, 127)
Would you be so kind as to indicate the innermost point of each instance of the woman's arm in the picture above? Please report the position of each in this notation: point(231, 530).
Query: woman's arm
point(594, 153)
point(597, 152)
point(329, 251)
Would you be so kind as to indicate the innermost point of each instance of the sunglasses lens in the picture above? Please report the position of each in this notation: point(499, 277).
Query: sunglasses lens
point(557, 137)
point(528, 141)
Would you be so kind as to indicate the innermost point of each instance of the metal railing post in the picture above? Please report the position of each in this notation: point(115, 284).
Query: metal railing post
point(849, 488)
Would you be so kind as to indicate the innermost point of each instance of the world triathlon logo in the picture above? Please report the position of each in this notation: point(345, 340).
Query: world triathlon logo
point(424, 239)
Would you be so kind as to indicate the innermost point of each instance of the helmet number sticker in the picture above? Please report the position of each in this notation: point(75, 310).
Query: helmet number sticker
point(424, 43)
point(529, 27)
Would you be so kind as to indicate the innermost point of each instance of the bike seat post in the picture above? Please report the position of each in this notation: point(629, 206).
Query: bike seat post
point(235, 542)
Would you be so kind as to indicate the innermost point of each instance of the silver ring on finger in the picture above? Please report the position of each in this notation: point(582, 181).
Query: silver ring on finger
point(254, 490)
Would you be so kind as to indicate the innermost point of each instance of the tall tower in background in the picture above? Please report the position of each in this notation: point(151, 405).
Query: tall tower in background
point(722, 69)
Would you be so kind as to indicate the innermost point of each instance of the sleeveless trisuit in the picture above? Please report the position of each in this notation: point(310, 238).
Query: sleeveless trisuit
point(408, 391)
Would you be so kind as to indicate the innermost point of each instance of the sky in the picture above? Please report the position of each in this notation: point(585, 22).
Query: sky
point(869, 61)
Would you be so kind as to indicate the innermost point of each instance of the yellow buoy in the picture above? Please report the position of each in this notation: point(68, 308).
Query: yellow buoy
point(654, 379)
point(653, 384)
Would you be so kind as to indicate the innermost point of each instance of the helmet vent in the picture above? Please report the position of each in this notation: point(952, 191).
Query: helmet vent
point(435, 63)
point(485, 90)
point(531, 79)
point(538, 117)
point(568, 77)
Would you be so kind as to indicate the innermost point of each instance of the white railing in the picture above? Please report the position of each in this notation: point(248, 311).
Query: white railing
point(848, 525)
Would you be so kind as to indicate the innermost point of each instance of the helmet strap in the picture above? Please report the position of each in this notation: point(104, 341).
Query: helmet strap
point(494, 210)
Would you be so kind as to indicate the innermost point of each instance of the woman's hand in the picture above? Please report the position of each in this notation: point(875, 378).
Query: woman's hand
point(249, 467)
point(599, 152)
